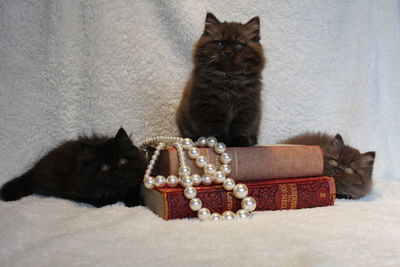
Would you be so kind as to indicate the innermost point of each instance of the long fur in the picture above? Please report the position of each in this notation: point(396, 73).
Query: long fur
point(222, 98)
point(95, 169)
point(351, 169)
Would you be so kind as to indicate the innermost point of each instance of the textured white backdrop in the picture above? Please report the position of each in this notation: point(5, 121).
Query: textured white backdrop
point(69, 67)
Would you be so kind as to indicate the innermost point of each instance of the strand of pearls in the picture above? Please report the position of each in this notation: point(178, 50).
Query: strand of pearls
point(189, 181)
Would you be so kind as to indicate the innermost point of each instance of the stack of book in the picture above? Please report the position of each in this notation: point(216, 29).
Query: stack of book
point(279, 177)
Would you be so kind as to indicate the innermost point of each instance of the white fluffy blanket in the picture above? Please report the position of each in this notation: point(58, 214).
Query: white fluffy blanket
point(68, 67)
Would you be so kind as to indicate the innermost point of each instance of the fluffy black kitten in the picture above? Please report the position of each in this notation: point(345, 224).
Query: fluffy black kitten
point(351, 169)
point(223, 95)
point(98, 170)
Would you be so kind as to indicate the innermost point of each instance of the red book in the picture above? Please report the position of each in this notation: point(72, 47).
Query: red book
point(273, 194)
point(254, 163)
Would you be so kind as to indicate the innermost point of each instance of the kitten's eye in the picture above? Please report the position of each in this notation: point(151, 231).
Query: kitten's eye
point(332, 163)
point(238, 46)
point(104, 168)
point(349, 170)
point(122, 162)
point(220, 44)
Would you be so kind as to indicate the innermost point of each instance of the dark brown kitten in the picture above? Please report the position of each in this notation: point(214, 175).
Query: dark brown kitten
point(98, 170)
point(351, 169)
point(222, 97)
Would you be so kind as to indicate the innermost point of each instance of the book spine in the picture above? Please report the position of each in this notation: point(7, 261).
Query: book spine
point(254, 163)
point(279, 194)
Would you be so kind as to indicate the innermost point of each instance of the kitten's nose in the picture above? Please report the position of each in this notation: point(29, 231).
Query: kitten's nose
point(228, 52)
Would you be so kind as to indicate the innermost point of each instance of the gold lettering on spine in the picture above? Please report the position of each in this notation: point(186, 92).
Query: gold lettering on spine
point(229, 200)
point(293, 203)
point(208, 155)
point(284, 196)
point(217, 162)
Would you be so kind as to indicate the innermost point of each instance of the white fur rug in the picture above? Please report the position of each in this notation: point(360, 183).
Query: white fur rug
point(52, 232)
point(68, 67)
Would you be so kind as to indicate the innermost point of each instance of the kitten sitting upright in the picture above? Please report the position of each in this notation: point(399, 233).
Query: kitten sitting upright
point(97, 170)
point(351, 169)
point(223, 96)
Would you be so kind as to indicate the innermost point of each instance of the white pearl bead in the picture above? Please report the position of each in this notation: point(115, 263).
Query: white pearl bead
point(220, 148)
point(196, 179)
point(203, 214)
point(157, 153)
point(151, 166)
point(181, 155)
point(202, 141)
point(187, 143)
point(210, 169)
point(240, 191)
point(161, 145)
point(225, 168)
point(226, 158)
point(184, 170)
point(149, 182)
point(160, 181)
point(249, 203)
point(186, 181)
point(229, 184)
point(195, 204)
point(182, 160)
point(190, 192)
point(193, 152)
point(215, 217)
point(211, 141)
point(172, 181)
point(219, 177)
point(206, 179)
point(242, 213)
point(201, 161)
point(228, 215)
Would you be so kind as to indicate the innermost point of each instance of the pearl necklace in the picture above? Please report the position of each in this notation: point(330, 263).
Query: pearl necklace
point(189, 181)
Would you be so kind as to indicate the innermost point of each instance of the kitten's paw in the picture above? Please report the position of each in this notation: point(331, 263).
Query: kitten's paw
point(12, 190)
point(132, 202)
point(10, 194)
point(344, 196)
point(243, 141)
point(133, 198)
point(223, 139)
point(254, 140)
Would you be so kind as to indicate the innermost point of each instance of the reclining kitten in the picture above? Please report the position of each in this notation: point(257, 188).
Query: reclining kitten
point(351, 169)
point(98, 170)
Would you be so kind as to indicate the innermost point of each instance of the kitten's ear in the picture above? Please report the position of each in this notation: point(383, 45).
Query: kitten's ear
point(123, 137)
point(211, 22)
point(253, 27)
point(367, 159)
point(121, 134)
point(87, 152)
point(337, 141)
